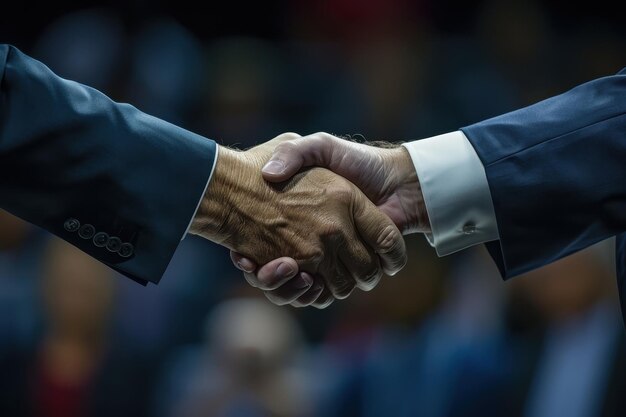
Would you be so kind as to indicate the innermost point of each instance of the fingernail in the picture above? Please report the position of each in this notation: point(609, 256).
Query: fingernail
point(245, 265)
point(303, 281)
point(285, 270)
point(274, 167)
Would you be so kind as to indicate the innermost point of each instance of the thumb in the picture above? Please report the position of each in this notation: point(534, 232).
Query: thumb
point(291, 156)
point(381, 234)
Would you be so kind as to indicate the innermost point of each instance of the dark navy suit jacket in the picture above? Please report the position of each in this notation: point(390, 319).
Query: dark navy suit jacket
point(557, 175)
point(118, 184)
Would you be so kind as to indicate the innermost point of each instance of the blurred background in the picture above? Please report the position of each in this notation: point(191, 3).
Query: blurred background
point(446, 337)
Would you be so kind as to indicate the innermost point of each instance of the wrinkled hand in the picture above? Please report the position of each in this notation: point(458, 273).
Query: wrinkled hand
point(386, 176)
point(324, 223)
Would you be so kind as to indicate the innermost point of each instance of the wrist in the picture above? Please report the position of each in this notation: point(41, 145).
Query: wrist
point(214, 217)
point(410, 193)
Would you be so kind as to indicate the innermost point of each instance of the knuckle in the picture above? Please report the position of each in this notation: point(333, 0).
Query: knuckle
point(370, 281)
point(388, 240)
point(323, 300)
point(288, 146)
point(322, 139)
point(325, 136)
point(289, 136)
point(344, 295)
point(297, 303)
point(342, 289)
point(324, 304)
point(343, 192)
point(333, 231)
point(403, 262)
point(313, 257)
point(310, 296)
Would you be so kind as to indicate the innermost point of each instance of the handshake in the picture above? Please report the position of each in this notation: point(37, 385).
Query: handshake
point(309, 219)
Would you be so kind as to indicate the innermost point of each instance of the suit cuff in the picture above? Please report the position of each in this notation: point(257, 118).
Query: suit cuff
point(208, 181)
point(456, 192)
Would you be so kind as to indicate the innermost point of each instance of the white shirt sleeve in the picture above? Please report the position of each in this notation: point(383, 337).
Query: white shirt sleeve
point(456, 192)
point(208, 181)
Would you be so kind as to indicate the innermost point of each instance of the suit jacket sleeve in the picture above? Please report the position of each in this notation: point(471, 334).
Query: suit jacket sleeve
point(99, 174)
point(557, 173)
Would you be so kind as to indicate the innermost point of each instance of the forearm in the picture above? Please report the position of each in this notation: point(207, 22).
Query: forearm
point(68, 152)
point(410, 194)
point(556, 173)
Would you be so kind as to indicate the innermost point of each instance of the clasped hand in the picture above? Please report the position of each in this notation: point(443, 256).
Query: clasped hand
point(335, 238)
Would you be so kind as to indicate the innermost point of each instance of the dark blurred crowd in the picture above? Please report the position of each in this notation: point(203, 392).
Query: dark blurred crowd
point(446, 337)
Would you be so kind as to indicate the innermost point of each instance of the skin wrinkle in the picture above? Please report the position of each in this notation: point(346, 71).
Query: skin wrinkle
point(341, 283)
point(325, 223)
point(385, 194)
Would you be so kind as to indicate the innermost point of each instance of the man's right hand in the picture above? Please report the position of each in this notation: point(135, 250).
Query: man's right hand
point(386, 175)
point(324, 223)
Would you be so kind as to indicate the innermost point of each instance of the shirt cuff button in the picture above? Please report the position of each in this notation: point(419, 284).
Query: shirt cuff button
point(469, 229)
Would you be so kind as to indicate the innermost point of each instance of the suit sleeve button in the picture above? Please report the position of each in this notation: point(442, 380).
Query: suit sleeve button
point(86, 231)
point(71, 225)
point(126, 250)
point(114, 244)
point(101, 239)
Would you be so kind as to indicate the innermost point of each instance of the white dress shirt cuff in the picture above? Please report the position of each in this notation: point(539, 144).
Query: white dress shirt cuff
point(217, 151)
point(456, 192)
